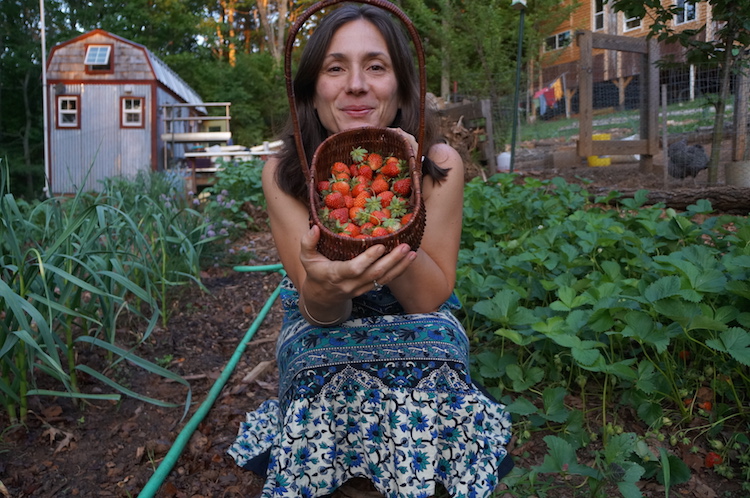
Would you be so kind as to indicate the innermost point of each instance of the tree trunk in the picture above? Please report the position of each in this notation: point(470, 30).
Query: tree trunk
point(270, 37)
point(723, 199)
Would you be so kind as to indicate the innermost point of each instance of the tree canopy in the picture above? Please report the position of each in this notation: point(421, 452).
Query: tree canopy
point(231, 50)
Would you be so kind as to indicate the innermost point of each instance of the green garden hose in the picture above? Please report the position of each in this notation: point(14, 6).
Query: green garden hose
point(165, 467)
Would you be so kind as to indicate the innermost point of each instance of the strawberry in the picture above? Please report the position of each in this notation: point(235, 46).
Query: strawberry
point(386, 198)
point(339, 167)
point(348, 201)
point(351, 230)
point(377, 217)
point(341, 215)
point(373, 204)
point(392, 168)
point(354, 213)
point(379, 232)
point(375, 161)
point(406, 218)
point(359, 184)
point(361, 199)
point(361, 217)
point(379, 184)
point(343, 176)
point(365, 171)
point(341, 186)
point(334, 200)
point(366, 228)
point(358, 154)
point(402, 187)
point(324, 185)
point(392, 225)
point(398, 207)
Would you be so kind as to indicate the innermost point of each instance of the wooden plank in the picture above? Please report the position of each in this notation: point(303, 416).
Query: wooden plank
point(739, 143)
point(618, 147)
point(620, 43)
point(586, 94)
point(489, 144)
point(652, 110)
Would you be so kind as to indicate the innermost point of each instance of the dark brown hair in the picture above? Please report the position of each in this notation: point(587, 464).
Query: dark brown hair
point(289, 175)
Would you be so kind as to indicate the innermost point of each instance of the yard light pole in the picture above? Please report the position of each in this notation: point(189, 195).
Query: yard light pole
point(519, 5)
point(45, 98)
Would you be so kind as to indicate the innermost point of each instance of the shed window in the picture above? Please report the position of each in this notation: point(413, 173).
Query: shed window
point(132, 112)
point(68, 111)
point(688, 12)
point(98, 58)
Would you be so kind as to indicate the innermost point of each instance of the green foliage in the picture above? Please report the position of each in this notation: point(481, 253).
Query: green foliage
point(565, 297)
point(237, 187)
point(73, 269)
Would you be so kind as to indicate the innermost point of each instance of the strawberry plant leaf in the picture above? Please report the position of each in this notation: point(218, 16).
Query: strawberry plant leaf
point(521, 406)
point(554, 405)
point(561, 459)
point(663, 288)
point(735, 342)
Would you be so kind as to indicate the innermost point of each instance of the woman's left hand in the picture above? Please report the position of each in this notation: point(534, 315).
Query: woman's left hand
point(347, 279)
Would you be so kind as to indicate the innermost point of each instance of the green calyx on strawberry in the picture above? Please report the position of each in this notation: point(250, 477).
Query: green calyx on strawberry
point(358, 154)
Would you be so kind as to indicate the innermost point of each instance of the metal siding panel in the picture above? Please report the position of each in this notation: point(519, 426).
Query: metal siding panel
point(100, 149)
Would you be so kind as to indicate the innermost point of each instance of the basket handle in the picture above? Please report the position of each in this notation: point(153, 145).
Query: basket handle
point(384, 4)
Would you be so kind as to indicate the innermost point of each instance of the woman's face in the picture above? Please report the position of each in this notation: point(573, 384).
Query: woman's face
point(356, 86)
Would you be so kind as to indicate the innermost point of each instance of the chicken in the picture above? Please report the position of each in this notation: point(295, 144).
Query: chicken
point(686, 160)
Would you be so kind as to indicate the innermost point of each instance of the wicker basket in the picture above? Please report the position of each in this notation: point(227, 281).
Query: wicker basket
point(338, 147)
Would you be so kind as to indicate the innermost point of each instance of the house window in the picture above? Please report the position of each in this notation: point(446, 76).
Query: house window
point(98, 59)
point(598, 15)
point(132, 112)
point(556, 42)
point(631, 23)
point(688, 12)
point(68, 111)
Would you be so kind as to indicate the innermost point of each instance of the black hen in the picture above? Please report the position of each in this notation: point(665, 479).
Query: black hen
point(686, 160)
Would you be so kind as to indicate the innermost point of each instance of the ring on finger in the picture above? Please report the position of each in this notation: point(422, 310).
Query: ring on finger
point(378, 287)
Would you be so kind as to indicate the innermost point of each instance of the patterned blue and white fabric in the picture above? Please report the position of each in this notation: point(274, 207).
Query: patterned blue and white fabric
point(386, 396)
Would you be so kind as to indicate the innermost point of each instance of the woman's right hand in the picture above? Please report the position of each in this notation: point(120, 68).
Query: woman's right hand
point(335, 281)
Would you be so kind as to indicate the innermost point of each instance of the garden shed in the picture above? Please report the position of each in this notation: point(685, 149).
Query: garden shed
point(112, 102)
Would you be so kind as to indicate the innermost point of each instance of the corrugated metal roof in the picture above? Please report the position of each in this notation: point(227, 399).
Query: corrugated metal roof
point(171, 80)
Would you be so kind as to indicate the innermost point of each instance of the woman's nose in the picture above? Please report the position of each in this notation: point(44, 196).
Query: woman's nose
point(357, 82)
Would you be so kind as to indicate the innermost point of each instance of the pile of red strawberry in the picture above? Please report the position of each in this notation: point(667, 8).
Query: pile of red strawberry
point(367, 198)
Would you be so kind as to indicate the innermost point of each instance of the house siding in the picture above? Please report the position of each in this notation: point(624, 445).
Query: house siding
point(608, 66)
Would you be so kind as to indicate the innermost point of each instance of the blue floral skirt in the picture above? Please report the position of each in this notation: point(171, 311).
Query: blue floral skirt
point(386, 396)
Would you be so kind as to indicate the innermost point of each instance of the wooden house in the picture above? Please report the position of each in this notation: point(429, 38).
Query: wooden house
point(116, 109)
point(613, 71)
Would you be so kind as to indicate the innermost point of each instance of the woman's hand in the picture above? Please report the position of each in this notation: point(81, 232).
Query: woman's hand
point(342, 280)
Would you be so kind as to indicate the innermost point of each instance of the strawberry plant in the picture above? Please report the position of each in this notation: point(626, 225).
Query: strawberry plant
point(367, 198)
point(630, 311)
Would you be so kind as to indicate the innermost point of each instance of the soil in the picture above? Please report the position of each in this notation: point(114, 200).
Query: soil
point(105, 448)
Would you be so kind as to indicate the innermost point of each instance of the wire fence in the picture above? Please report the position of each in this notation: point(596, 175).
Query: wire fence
point(688, 112)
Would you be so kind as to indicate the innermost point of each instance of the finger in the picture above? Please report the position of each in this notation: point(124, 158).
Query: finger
point(309, 242)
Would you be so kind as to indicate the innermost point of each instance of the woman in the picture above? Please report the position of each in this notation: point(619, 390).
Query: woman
point(374, 375)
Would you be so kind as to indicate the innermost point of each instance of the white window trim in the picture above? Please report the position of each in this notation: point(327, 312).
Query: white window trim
point(132, 112)
point(600, 15)
point(61, 123)
point(626, 20)
point(93, 55)
point(684, 13)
